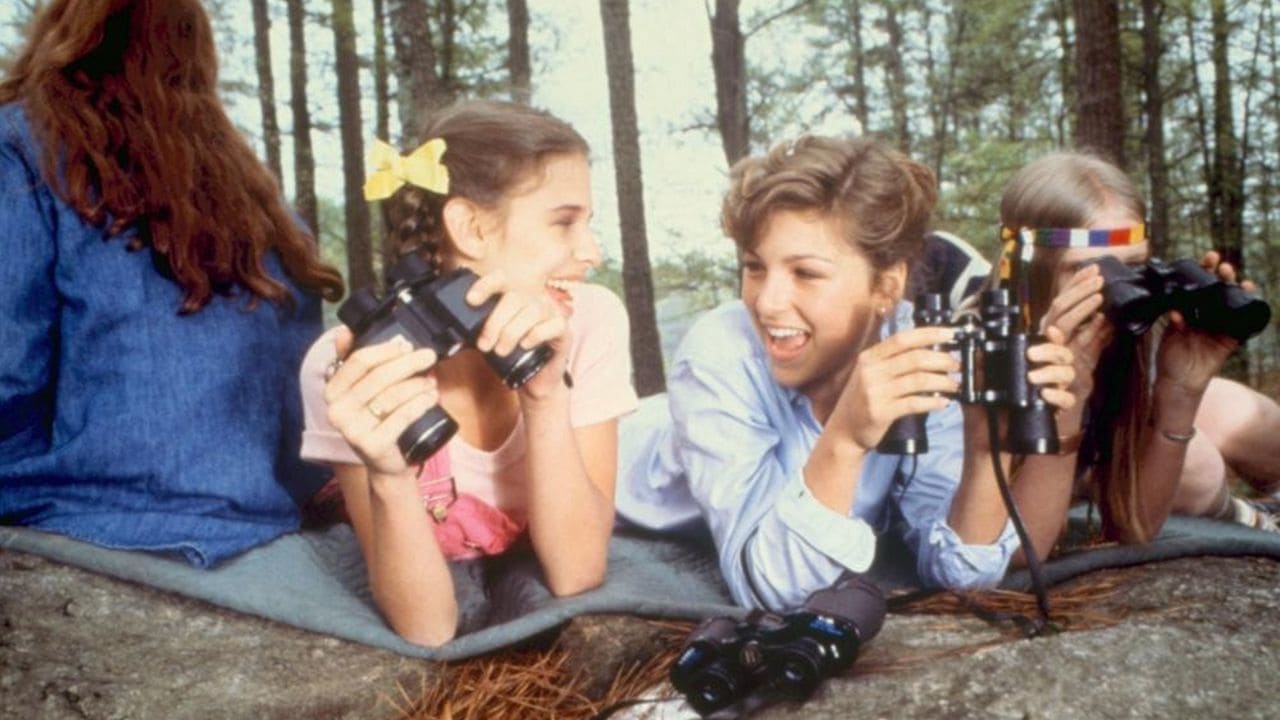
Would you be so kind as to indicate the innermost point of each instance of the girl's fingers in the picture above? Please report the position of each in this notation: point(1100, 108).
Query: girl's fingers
point(918, 337)
point(528, 316)
point(1052, 375)
point(355, 366)
point(385, 403)
point(924, 382)
point(485, 287)
point(509, 305)
point(1069, 318)
point(379, 377)
point(1050, 353)
point(1061, 399)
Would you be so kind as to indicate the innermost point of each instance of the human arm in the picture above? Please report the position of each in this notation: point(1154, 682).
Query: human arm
point(408, 574)
point(570, 410)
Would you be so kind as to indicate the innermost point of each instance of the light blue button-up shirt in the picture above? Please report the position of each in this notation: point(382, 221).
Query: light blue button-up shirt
point(728, 443)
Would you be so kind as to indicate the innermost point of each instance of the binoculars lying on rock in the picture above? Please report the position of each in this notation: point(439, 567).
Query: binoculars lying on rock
point(1135, 297)
point(728, 662)
point(993, 372)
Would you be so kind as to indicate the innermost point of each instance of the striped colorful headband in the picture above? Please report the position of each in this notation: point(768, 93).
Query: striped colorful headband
point(1076, 237)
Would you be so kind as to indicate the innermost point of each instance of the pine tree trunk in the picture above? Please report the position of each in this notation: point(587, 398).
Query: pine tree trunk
point(646, 349)
point(381, 91)
point(1099, 101)
point(304, 163)
point(351, 130)
point(266, 87)
point(518, 63)
point(417, 81)
point(729, 65)
point(854, 10)
point(896, 78)
point(1226, 194)
point(1157, 167)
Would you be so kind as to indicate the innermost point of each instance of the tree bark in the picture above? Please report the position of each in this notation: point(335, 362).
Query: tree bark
point(1099, 100)
point(859, 80)
point(266, 87)
point(356, 210)
point(637, 280)
point(417, 80)
point(518, 63)
point(1226, 189)
point(304, 163)
point(728, 63)
point(1153, 100)
point(896, 78)
point(381, 92)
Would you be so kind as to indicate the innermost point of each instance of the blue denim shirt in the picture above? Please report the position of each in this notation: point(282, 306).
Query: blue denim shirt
point(121, 422)
point(732, 448)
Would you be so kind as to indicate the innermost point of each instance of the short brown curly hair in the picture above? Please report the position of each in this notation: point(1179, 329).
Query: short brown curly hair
point(883, 198)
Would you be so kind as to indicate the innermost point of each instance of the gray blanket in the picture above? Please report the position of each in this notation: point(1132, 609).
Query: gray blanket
point(316, 580)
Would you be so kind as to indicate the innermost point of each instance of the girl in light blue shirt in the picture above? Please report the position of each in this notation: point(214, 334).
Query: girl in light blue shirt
point(777, 401)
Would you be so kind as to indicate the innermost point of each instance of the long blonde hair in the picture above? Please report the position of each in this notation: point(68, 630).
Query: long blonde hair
point(1067, 190)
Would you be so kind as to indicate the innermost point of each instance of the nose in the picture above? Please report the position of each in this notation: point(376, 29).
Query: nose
point(769, 293)
point(587, 250)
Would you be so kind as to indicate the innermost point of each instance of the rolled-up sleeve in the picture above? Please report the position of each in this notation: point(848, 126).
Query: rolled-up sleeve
point(943, 559)
point(776, 542)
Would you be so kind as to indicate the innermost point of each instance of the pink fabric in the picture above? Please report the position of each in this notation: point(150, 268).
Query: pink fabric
point(465, 526)
point(599, 361)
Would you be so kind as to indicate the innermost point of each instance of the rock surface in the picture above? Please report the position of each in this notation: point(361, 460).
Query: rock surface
point(1198, 637)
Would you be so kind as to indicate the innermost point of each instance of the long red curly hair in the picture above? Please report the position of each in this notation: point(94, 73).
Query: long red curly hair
point(122, 94)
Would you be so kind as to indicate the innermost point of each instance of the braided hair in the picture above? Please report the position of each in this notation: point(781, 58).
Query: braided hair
point(492, 148)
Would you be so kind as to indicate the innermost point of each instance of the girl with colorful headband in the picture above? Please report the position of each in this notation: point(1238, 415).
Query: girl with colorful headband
point(1155, 428)
point(776, 402)
point(503, 190)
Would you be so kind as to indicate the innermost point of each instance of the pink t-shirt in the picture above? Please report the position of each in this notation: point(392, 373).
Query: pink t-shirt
point(599, 362)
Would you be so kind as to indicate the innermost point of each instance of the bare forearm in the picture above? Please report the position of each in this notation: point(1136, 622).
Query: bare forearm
point(1161, 456)
point(977, 512)
point(570, 519)
point(408, 574)
point(1042, 489)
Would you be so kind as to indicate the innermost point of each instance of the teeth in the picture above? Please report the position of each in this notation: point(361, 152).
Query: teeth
point(565, 285)
point(784, 332)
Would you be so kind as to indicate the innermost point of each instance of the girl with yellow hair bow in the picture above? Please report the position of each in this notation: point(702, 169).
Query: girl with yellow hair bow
point(504, 191)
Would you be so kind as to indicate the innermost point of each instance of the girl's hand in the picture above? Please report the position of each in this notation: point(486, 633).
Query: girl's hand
point(901, 375)
point(524, 320)
point(1077, 313)
point(1056, 369)
point(1190, 357)
point(377, 392)
point(1225, 271)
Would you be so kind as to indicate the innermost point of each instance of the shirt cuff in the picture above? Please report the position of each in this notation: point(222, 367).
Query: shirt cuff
point(962, 565)
point(327, 447)
point(849, 541)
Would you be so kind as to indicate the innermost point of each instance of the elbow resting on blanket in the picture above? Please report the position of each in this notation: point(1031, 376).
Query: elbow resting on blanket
point(426, 630)
point(576, 580)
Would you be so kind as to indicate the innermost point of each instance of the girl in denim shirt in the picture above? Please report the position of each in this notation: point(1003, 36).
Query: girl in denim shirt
point(156, 295)
point(777, 402)
point(503, 190)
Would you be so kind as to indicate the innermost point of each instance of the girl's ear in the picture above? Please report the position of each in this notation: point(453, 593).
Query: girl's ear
point(890, 285)
point(462, 219)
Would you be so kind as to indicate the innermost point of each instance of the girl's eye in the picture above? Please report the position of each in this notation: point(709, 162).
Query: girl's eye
point(804, 274)
point(752, 266)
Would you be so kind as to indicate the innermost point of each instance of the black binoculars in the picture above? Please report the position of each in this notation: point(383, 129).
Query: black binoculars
point(993, 372)
point(767, 657)
point(1135, 297)
point(431, 311)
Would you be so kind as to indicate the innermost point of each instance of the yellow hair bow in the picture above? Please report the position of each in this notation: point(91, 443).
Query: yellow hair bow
point(422, 168)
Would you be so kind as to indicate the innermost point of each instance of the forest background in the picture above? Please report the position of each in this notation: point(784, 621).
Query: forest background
point(1181, 93)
